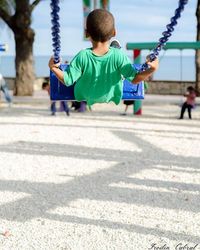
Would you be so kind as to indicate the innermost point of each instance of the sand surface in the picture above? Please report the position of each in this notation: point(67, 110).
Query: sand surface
point(98, 180)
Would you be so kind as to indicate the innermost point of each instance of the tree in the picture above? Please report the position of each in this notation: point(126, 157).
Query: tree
point(17, 15)
point(197, 58)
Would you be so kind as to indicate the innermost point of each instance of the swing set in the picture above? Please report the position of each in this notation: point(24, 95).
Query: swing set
point(59, 91)
point(138, 47)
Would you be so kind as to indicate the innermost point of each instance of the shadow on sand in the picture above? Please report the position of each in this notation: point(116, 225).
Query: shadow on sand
point(96, 186)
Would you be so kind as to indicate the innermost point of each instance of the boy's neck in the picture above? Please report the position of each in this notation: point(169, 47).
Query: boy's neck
point(100, 48)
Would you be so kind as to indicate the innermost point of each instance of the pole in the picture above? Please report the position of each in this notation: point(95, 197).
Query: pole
point(104, 4)
point(95, 4)
point(87, 7)
point(137, 108)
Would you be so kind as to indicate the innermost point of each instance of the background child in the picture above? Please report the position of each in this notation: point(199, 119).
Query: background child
point(4, 89)
point(98, 71)
point(46, 86)
point(189, 103)
point(127, 103)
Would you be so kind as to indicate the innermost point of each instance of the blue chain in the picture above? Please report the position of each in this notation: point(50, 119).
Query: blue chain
point(166, 34)
point(162, 41)
point(55, 29)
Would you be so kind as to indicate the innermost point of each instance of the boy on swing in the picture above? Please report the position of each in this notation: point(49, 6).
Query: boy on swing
point(99, 71)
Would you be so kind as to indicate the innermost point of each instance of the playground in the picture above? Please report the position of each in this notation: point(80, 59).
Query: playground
point(99, 180)
point(106, 177)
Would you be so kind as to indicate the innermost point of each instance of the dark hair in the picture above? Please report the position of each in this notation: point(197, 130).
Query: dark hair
point(100, 25)
point(44, 85)
point(190, 88)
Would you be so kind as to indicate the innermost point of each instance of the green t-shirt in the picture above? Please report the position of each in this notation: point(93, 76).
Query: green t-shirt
point(99, 78)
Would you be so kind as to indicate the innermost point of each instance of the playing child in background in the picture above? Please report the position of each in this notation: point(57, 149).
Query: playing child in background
point(127, 103)
point(4, 89)
point(46, 86)
point(189, 103)
point(99, 71)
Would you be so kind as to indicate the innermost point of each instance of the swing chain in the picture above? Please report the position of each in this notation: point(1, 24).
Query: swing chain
point(166, 34)
point(55, 29)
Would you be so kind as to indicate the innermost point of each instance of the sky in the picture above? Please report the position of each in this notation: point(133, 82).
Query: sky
point(136, 21)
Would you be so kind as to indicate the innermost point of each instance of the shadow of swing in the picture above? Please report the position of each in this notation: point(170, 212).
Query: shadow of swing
point(43, 197)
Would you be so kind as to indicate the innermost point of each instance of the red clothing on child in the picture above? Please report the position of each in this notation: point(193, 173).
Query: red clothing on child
point(191, 98)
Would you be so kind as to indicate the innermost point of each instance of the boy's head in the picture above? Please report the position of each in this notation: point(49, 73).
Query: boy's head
point(100, 25)
point(45, 86)
point(190, 89)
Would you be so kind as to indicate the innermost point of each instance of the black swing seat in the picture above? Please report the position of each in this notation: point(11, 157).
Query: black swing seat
point(59, 91)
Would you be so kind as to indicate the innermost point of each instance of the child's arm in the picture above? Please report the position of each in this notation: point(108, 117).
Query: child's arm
point(71, 74)
point(54, 67)
point(145, 74)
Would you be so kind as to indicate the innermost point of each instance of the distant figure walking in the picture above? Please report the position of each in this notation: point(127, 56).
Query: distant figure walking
point(189, 103)
point(64, 105)
point(4, 89)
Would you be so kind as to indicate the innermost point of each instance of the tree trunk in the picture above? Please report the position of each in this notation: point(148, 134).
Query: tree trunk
point(197, 57)
point(24, 62)
point(20, 24)
point(24, 38)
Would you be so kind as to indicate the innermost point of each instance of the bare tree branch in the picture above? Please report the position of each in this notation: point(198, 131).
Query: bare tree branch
point(5, 16)
point(34, 4)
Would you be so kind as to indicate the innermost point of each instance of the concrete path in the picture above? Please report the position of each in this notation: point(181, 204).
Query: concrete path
point(98, 180)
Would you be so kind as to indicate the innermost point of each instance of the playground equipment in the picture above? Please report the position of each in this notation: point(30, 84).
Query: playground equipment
point(130, 91)
point(138, 47)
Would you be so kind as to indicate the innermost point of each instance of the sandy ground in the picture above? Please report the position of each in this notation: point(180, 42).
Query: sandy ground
point(99, 180)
